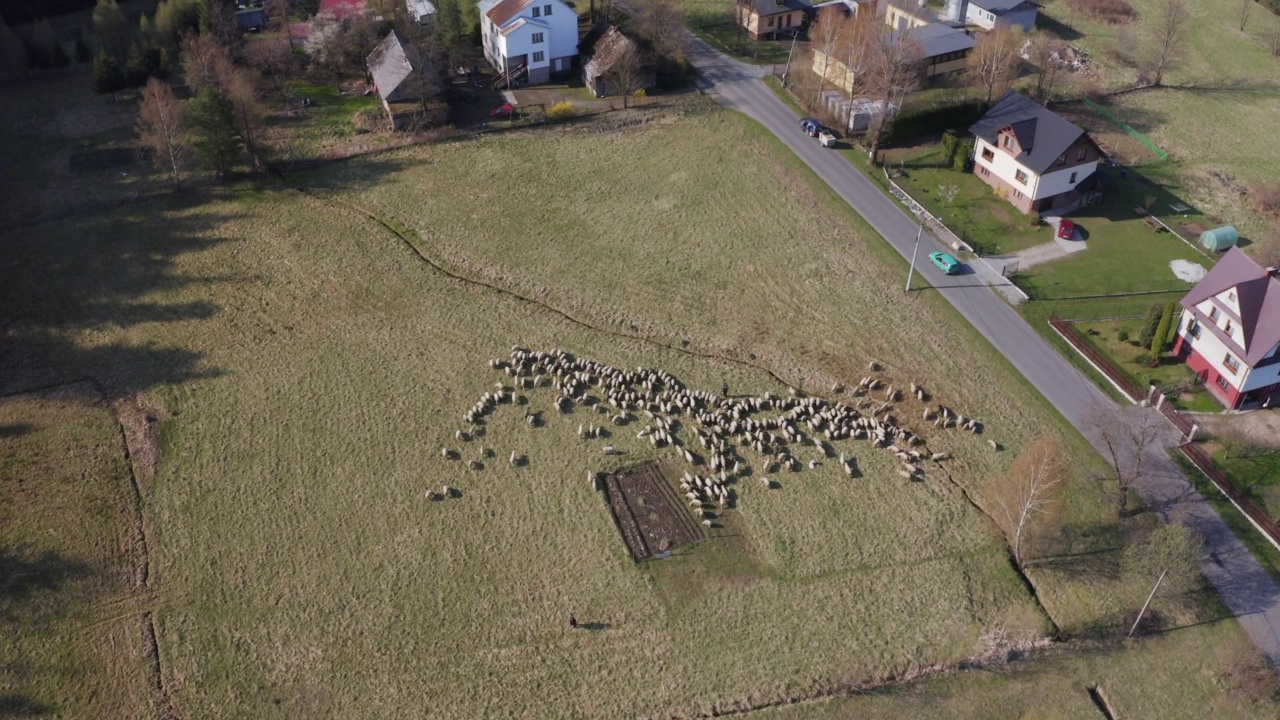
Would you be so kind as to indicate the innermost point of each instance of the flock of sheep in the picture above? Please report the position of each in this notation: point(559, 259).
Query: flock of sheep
point(722, 426)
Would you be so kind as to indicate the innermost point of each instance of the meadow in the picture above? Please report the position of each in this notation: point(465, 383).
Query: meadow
point(317, 344)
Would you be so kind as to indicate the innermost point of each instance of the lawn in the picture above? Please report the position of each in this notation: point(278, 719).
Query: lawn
point(314, 364)
point(713, 21)
point(1256, 471)
point(1223, 95)
point(1171, 373)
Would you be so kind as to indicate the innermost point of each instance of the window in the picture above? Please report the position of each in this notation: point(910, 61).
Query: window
point(1193, 328)
point(1062, 159)
point(546, 9)
point(537, 38)
point(1071, 180)
point(1231, 296)
point(1227, 328)
point(1017, 194)
point(1213, 313)
point(539, 56)
point(537, 11)
point(1080, 154)
point(1222, 383)
point(983, 169)
point(1020, 177)
point(770, 22)
point(1008, 141)
point(1231, 363)
point(988, 154)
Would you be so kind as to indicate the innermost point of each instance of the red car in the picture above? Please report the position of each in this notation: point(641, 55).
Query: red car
point(505, 110)
point(1066, 229)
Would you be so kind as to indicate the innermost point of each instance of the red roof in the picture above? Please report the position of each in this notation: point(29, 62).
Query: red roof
point(1258, 294)
point(506, 9)
point(342, 8)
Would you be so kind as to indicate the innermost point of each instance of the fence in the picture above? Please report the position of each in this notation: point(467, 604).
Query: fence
point(1127, 128)
point(1098, 359)
point(918, 210)
point(1256, 514)
point(1187, 426)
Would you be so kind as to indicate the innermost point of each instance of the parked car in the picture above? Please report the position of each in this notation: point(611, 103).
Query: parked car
point(811, 127)
point(1066, 229)
point(945, 262)
point(505, 110)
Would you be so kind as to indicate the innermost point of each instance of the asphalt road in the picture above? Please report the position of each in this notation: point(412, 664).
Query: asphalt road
point(1244, 586)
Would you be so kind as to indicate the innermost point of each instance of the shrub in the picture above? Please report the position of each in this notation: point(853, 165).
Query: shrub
point(950, 146)
point(371, 120)
point(1174, 320)
point(964, 152)
point(1123, 336)
point(1154, 313)
point(1111, 12)
point(931, 120)
point(640, 94)
point(561, 111)
point(1266, 198)
point(1033, 218)
point(1158, 337)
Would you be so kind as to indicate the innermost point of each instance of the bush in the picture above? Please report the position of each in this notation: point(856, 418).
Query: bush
point(561, 111)
point(1111, 12)
point(950, 145)
point(1174, 320)
point(107, 75)
point(964, 153)
point(371, 120)
point(1154, 313)
point(1123, 336)
point(1162, 331)
point(1266, 198)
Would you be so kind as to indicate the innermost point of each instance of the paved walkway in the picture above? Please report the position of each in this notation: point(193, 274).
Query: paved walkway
point(1245, 587)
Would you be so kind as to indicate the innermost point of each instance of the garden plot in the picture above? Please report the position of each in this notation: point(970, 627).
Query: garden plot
point(649, 516)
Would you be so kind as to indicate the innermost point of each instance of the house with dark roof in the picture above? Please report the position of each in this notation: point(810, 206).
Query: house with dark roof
point(402, 78)
point(907, 14)
point(772, 19)
point(1229, 332)
point(944, 47)
point(606, 52)
point(987, 14)
point(528, 40)
point(1039, 161)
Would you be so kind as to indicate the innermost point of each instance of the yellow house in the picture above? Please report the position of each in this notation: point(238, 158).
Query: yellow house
point(771, 19)
point(906, 14)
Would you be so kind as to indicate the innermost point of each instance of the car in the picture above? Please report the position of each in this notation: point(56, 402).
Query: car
point(811, 127)
point(505, 110)
point(945, 262)
point(1066, 229)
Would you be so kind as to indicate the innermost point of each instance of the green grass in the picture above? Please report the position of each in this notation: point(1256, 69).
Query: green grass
point(1256, 471)
point(315, 365)
point(712, 20)
point(1266, 553)
point(1171, 372)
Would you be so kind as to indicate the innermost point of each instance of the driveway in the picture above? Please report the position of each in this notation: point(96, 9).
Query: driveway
point(1244, 586)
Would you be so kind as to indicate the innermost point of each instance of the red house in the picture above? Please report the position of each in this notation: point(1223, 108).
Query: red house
point(1229, 332)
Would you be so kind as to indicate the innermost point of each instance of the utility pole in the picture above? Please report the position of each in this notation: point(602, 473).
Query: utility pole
point(914, 252)
point(795, 34)
point(1143, 611)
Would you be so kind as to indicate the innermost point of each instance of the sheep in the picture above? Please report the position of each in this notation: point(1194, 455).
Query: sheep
point(513, 457)
point(813, 464)
point(610, 450)
point(905, 474)
point(446, 491)
point(706, 523)
point(765, 483)
point(446, 453)
point(994, 445)
point(837, 388)
point(459, 435)
point(940, 456)
point(475, 465)
point(873, 366)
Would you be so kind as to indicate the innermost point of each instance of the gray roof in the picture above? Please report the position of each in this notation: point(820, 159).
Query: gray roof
point(773, 7)
point(1000, 7)
point(392, 64)
point(1042, 134)
point(1258, 294)
point(937, 39)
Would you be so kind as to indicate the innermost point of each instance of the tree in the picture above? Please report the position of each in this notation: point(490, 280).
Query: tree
point(661, 23)
point(1173, 549)
point(628, 71)
point(893, 71)
point(995, 60)
point(112, 30)
point(204, 59)
point(145, 61)
point(738, 15)
point(825, 37)
point(1126, 440)
point(1044, 53)
point(43, 46)
point(211, 117)
point(1026, 499)
point(1168, 32)
point(162, 128)
point(1245, 7)
point(60, 57)
point(855, 48)
point(107, 75)
point(240, 88)
point(82, 52)
point(448, 27)
point(175, 18)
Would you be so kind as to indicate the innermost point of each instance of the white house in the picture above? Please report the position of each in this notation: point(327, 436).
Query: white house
point(1039, 160)
point(1229, 332)
point(987, 14)
point(528, 40)
point(422, 11)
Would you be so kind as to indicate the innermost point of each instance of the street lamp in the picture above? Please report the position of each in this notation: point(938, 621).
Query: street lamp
point(914, 252)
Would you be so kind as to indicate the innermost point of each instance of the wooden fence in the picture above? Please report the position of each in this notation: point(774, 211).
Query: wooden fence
point(1252, 510)
point(1098, 359)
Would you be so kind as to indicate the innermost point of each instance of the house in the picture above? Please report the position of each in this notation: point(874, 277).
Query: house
point(907, 14)
point(944, 47)
point(605, 51)
point(1038, 159)
point(845, 9)
point(251, 18)
point(1229, 332)
point(402, 78)
point(772, 19)
point(987, 14)
point(422, 11)
point(528, 40)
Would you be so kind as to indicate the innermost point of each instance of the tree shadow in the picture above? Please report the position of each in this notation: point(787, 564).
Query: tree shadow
point(15, 430)
point(23, 576)
point(101, 273)
point(1057, 27)
point(17, 705)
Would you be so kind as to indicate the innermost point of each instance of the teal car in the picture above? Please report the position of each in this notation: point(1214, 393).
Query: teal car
point(945, 262)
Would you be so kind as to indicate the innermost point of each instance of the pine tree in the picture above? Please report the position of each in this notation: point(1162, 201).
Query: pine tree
point(82, 52)
point(107, 75)
point(60, 57)
point(112, 30)
point(211, 117)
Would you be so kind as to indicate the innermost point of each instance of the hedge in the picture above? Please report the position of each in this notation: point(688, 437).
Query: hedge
point(1154, 313)
point(1162, 330)
point(958, 117)
point(1174, 321)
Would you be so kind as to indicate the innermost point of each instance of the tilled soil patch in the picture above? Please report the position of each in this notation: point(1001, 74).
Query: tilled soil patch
point(648, 512)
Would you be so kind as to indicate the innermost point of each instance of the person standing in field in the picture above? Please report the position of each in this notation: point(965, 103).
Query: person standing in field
point(573, 623)
point(724, 389)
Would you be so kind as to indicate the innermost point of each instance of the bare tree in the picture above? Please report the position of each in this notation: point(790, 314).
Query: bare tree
point(855, 49)
point(995, 60)
point(1027, 498)
point(825, 37)
point(1245, 7)
point(1168, 32)
point(628, 71)
point(738, 15)
point(204, 60)
point(1126, 441)
point(894, 70)
point(240, 87)
point(1044, 53)
point(1275, 38)
point(1174, 549)
point(661, 22)
point(162, 128)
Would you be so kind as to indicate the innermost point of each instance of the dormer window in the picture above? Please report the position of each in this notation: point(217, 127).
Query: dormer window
point(1008, 142)
point(1062, 159)
point(1080, 154)
point(1231, 296)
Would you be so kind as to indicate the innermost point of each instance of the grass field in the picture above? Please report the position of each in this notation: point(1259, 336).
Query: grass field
point(314, 365)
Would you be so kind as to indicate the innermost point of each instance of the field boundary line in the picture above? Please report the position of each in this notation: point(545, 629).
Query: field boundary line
point(414, 244)
point(1127, 128)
